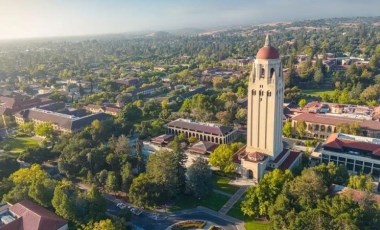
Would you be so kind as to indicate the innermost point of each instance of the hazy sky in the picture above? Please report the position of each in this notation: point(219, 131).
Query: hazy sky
point(42, 18)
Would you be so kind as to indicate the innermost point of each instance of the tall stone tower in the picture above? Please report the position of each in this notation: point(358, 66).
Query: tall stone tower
point(265, 103)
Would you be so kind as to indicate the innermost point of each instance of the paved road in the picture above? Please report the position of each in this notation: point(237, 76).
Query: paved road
point(147, 223)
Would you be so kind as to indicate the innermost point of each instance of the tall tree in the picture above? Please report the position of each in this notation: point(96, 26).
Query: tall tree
point(199, 178)
point(222, 157)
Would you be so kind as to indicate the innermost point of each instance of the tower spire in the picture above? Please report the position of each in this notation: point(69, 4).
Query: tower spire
point(267, 40)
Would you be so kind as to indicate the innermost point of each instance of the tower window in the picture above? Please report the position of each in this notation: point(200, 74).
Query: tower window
point(271, 73)
point(269, 93)
point(262, 73)
point(254, 92)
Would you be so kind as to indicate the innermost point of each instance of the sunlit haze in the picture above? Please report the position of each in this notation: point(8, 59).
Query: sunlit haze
point(43, 18)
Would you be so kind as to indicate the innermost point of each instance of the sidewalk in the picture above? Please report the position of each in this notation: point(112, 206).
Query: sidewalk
point(232, 201)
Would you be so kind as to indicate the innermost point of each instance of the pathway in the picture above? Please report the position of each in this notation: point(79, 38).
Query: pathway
point(232, 201)
point(221, 192)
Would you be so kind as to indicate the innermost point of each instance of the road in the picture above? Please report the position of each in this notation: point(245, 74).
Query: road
point(146, 222)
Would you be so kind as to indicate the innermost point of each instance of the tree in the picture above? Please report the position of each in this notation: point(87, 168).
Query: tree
point(325, 97)
point(223, 117)
point(260, 198)
point(44, 129)
point(199, 178)
point(170, 180)
point(97, 203)
point(344, 97)
point(144, 192)
point(33, 183)
point(122, 146)
point(222, 157)
point(8, 165)
point(63, 201)
point(318, 76)
point(372, 92)
point(302, 103)
point(36, 155)
point(106, 224)
point(218, 82)
point(126, 176)
point(27, 127)
point(287, 130)
point(308, 189)
point(241, 115)
point(353, 128)
point(331, 173)
point(361, 182)
point(301, 129)
point(112, 183)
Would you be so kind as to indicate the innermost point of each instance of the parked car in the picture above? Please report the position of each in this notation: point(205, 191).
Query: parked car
point(121, 205)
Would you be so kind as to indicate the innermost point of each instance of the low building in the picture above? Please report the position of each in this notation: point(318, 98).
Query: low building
point(162, 140)
point(256, 163)
point(27, 215)
point(147, 90)
point(17, 102)
point(322, 125)
point(203, 147)
point(128, 81)
point(61, 122)
point(111, 110)
point(214, 133)
point(358, 154)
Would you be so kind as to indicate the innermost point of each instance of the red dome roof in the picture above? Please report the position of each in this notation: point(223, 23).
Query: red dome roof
point(255, 156)
point(268, 52)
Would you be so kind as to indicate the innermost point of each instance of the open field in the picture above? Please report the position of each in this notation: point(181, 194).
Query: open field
point(317, 92)
point(215, 201)
point(19, 144)
point(221, 183)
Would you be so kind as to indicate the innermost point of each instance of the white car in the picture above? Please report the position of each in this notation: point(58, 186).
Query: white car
point(121, 205)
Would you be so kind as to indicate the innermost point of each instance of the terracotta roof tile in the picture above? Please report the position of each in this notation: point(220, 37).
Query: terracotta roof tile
point(288, 162)
point(35, 217)
point(336, 120)
point(335, 141)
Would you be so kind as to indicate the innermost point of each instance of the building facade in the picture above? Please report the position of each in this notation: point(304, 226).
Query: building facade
point(61, 122)
point(321, 125)
point(358, 154)
point(214, 133)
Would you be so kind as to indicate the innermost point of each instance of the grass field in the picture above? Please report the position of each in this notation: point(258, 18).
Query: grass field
point(215, 202)
point(221, 183)
point(317, 92)
point(250, 223)
point(19, 144)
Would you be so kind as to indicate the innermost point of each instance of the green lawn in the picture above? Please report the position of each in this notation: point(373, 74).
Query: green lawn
point(221, 183)
point(215, 201)
point(317, 92)
point(19, 144)
point(250, 223)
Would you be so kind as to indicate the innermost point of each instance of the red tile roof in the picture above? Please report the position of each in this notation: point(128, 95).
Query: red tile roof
point(280, 156)
point(288, 162)
point(336, 120)
point(203, 147)
point(334, 141)
point(35, 217)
